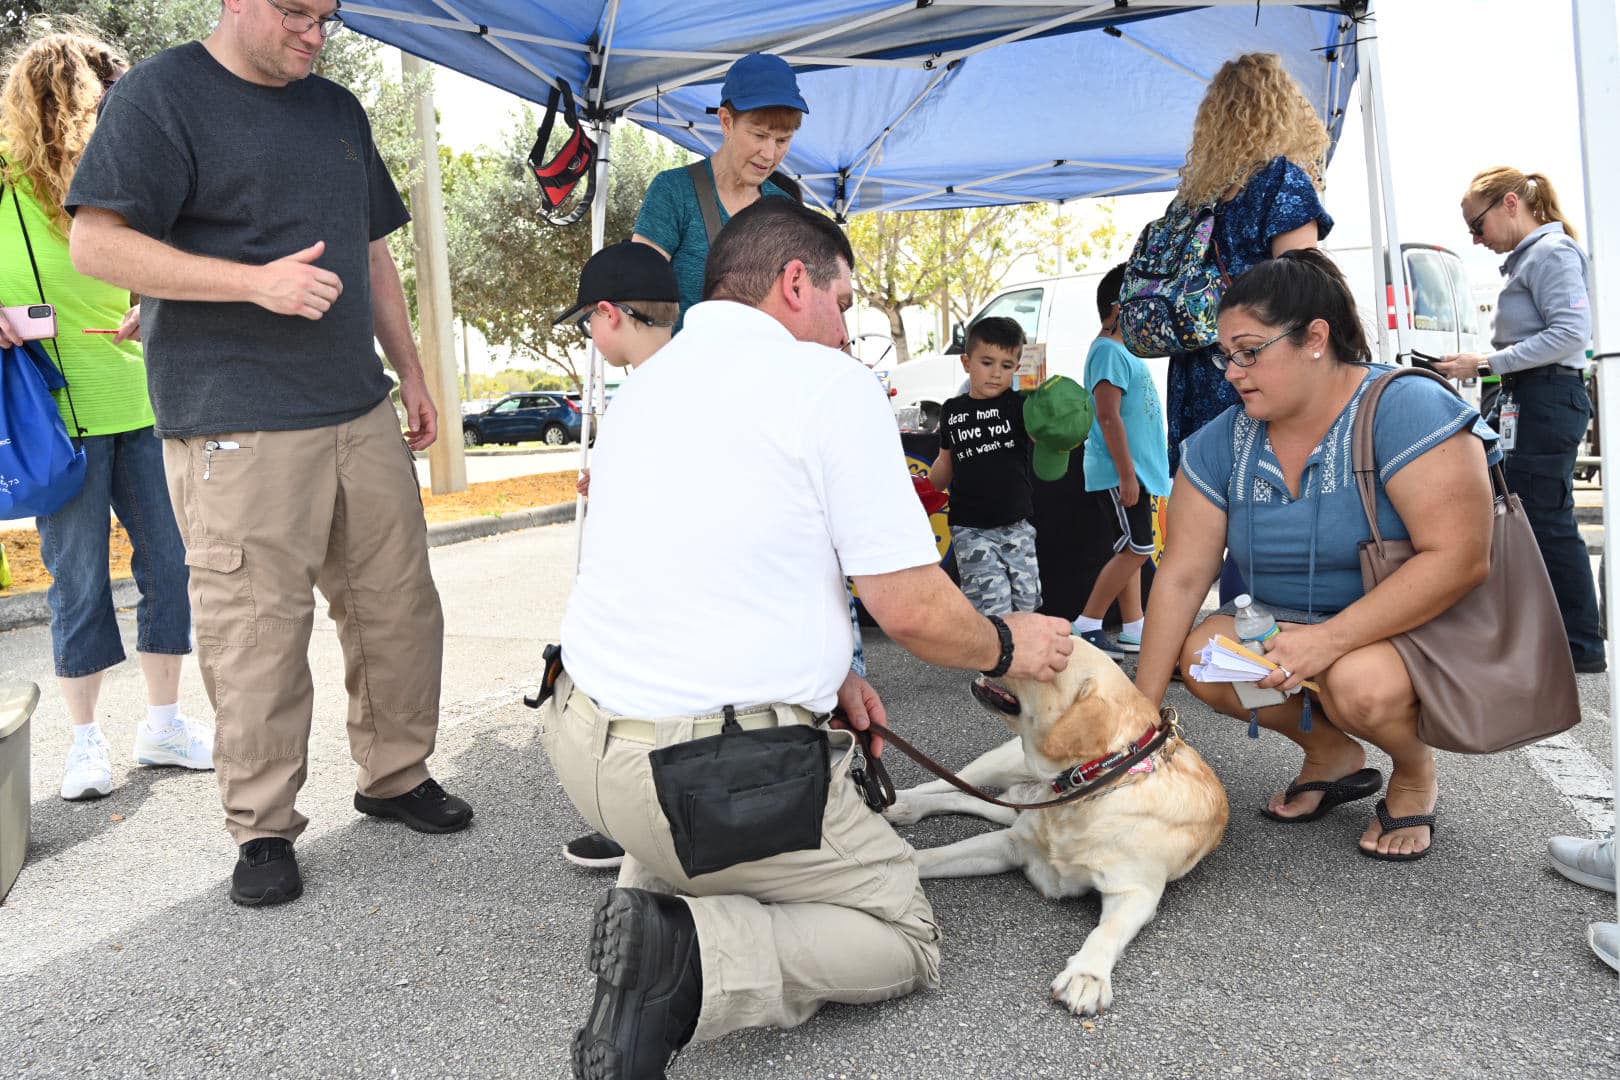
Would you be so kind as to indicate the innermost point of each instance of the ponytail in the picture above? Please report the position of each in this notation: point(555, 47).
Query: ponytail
point(1296, 288)
point(1543, 202)
point(1534, 189)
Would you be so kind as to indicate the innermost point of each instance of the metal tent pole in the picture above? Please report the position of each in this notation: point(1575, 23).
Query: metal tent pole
point(594, 372)
point(1597, 82)
point(1388, 270)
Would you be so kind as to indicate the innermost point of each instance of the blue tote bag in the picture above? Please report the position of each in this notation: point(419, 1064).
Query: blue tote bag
point(41, 469)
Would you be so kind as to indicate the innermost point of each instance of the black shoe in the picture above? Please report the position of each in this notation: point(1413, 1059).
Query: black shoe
point(649, 987)
point(266, 873)
point(594, 851)
point(1593, 666)
point(426, 808)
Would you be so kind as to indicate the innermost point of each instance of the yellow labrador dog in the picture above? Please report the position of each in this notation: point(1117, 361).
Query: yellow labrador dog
point(1146, 829)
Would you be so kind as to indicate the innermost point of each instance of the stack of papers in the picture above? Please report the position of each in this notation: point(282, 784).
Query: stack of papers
point(1224, 660)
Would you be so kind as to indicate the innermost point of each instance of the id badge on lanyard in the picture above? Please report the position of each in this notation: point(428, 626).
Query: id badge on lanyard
point(1509, 421)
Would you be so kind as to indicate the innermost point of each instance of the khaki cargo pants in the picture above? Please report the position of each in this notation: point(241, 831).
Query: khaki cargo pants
point(267, 521)
point(847, 922)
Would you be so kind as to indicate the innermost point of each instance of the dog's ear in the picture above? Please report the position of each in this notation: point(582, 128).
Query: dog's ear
point(1079, 726)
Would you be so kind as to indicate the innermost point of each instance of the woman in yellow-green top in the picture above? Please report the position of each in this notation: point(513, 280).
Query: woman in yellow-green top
point(47, 111)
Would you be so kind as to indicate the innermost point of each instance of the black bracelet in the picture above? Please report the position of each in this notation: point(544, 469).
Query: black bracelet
point(1005, 634)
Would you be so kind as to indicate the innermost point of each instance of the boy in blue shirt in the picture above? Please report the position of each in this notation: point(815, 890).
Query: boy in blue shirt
point(1127, 462)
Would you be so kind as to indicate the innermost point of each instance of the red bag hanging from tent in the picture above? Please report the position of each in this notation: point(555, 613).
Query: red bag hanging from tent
point(560, 176)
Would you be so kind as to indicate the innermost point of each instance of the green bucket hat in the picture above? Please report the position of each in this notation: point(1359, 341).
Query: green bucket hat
point(1057, 415)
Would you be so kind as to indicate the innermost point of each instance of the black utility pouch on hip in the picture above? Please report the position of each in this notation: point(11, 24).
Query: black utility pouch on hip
point(743, 795)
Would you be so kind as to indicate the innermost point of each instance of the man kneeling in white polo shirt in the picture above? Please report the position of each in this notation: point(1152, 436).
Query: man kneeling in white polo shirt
point(749, 468)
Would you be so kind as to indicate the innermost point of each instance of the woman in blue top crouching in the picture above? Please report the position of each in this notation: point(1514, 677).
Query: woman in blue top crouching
point(1271, 479)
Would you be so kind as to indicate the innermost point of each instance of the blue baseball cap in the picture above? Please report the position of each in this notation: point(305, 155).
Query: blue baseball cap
point(759, 81)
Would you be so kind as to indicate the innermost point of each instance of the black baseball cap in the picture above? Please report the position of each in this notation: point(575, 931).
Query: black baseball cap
point(620, 272)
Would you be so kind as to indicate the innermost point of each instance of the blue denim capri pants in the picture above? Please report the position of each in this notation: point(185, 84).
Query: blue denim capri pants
point(125, 473)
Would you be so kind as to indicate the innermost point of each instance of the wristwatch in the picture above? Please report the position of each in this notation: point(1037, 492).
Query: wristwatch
point(1005, 660)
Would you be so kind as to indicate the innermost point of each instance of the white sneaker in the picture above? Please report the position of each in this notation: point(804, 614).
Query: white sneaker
point(1587, 862)
point(88, 774)
point(1604, 937)
point(184, 742)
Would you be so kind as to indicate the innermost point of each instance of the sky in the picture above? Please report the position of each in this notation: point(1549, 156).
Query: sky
point(1468, 84)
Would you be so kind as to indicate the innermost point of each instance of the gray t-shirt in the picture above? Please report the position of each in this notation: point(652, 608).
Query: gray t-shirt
point(209, 163)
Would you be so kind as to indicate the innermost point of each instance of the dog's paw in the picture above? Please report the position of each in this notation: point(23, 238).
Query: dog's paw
point(904, 811)
point(1083, 992)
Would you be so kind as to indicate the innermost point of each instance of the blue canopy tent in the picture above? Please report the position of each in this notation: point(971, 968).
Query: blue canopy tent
point(916, 104)
point(920, 105)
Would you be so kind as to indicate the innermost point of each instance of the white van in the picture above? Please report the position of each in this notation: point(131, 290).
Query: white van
point(1442, 315)
point(1061, 312)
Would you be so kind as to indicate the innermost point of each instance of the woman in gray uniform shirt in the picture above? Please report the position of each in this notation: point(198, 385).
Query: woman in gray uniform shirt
point(1543, 322)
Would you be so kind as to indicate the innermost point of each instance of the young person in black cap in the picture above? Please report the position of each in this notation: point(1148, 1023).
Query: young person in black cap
point(628, 304)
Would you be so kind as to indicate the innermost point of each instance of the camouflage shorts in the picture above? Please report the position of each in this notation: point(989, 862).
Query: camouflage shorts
point(998, 569)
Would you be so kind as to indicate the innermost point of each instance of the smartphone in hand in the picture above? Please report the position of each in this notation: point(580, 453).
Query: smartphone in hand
point(32, 322)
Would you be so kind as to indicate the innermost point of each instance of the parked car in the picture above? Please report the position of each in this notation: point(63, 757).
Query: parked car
point(551, 417)
point(1061, 313)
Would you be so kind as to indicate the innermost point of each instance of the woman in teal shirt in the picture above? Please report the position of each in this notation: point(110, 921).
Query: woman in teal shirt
point(47, 111)
point(760, 111)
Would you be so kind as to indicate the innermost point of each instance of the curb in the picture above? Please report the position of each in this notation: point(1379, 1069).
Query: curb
point(455, 532)
point(422, 455)
point(30, 608)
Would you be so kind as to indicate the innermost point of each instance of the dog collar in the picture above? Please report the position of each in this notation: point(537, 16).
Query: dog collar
point(1069, 779)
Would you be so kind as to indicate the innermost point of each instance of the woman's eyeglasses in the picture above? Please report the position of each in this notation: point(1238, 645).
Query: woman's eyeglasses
point(1476, 227)
point(1246, 357)
point(584, 321)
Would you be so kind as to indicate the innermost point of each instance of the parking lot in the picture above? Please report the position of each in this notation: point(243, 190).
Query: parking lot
point(1285, 954)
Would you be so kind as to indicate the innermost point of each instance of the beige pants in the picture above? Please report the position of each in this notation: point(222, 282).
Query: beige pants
point(847, 922)
point(265, 523)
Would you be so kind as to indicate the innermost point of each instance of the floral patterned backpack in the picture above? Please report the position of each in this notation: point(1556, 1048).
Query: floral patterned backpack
point(1173, 283)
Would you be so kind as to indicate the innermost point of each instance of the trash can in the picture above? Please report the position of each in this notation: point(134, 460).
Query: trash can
point(17, 701)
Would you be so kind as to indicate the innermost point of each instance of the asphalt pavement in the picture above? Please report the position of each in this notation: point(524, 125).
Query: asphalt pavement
point(1284, 954)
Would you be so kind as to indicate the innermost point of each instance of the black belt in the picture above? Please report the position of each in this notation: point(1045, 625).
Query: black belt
point(1547, 371)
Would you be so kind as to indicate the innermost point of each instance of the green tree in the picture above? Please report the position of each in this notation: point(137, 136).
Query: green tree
point(511, 272)
point(1077, 239)
point(139, 27)
point(953, 260)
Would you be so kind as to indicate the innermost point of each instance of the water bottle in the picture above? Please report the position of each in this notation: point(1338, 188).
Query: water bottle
point(1255, 625)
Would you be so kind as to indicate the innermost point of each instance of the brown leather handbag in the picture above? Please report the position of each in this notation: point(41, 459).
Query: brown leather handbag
point(1493, 671)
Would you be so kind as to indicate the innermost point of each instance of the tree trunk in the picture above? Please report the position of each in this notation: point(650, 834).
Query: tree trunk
point(897, 331)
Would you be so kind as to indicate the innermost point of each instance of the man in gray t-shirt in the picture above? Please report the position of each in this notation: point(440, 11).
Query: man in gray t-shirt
point(244, 200)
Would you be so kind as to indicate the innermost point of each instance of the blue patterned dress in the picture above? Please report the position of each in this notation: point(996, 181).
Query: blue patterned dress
point(1278, 199)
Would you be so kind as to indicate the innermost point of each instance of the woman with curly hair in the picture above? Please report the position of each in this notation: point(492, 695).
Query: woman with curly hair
point(1258, 151)
point(48, 106)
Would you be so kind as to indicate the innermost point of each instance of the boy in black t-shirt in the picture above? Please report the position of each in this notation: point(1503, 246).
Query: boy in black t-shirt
point(984, 460)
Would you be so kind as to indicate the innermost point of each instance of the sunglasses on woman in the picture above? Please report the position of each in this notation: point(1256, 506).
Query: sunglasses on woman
point(1476, 227)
